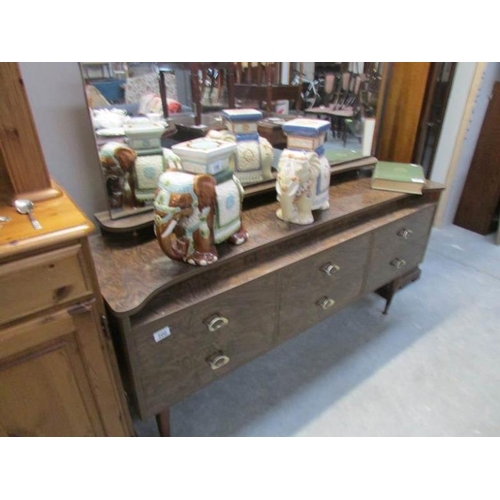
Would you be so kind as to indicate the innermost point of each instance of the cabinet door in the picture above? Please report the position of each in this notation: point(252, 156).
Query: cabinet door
point(48, 381)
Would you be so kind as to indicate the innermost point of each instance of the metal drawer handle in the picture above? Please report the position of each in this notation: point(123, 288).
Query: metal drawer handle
point(330, 269)
point(326, 302)
point(215, 322)
point(218, 360)
point(398, 263)
point(405, 233)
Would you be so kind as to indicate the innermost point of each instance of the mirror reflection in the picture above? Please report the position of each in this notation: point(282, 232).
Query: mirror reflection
point(139, 110)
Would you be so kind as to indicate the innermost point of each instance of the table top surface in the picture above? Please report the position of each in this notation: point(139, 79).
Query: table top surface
point(60, 219)
point(131, 269)
point(324, 110)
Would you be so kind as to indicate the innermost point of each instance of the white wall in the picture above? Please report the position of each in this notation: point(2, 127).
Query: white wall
point(453, 118)
point(57, 100)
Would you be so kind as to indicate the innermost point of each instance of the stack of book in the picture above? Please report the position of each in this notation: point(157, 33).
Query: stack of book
point(399, 177)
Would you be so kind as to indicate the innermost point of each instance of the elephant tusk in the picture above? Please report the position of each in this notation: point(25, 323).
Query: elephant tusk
point(169, 229)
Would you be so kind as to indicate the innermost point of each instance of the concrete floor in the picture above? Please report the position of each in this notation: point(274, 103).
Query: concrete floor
point(429, 368)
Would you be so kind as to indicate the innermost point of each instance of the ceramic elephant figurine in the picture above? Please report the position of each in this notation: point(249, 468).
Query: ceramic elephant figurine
point(118, 162)
point(193, 212)
point(253, 159)
point(302, 185)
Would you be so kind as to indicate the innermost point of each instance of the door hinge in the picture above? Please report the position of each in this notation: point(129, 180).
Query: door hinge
point(82, 307)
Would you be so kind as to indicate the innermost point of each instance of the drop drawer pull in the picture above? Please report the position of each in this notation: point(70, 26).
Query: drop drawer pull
point(215, 322)
point(326, 302)
point(405, 233)
point(398, 263)
point(330, 269)
point(218, 360)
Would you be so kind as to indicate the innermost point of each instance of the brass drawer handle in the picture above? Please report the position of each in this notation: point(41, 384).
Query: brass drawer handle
point(405, 233)
point(398, 263)
point(215, 322)
point(218, 360)
point(330, 269)
point(326, 302)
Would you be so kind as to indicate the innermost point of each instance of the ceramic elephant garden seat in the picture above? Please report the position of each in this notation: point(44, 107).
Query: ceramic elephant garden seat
point(196, 210)
point(302, 185)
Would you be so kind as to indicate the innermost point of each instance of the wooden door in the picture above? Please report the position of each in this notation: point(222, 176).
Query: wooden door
point(47, 386)
point(403, 105)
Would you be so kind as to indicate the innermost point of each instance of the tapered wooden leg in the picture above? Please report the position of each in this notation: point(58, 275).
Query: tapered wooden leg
point(163, 422)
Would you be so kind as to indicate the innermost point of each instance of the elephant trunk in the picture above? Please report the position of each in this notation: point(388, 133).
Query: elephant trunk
point(173, 247)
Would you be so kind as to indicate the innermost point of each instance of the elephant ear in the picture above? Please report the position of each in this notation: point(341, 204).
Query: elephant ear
point(126, 157)
point(204, 188)
point(314, 164)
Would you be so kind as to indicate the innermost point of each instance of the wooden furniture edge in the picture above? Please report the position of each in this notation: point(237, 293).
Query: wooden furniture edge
point(300, 232)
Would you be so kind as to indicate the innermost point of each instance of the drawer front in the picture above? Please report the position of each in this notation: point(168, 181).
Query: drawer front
point(389, 264)
point(303, 305)
point(40, 282)
point(172, 363)
point(321, 271)
point(405, 231)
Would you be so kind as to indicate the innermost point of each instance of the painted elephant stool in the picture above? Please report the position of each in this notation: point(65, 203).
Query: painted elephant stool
point(117, 163)
point(302, 186)
point(196, 211)
point(303, 171)
point(254, 154)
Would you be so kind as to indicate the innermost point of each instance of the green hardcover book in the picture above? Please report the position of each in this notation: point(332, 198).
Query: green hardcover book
point(400, 177)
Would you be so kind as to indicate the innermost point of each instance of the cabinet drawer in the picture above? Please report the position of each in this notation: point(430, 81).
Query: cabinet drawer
point(239, 324)
point(305, 304)
point(406, 230)
point(388, 264)
point(326, 268)
point(37, 283)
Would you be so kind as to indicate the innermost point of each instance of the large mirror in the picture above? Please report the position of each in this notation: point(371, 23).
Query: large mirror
point(150, 106)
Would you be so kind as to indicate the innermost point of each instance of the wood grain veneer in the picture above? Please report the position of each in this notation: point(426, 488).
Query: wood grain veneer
point(403, 103)
point(60, 220)
point(133, 269)
point(161, 366)
point(20, 151)
point(58, 374)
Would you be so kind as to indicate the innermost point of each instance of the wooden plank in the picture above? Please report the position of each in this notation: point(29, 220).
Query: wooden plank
point(481, 194)
point(20, 147)
point(402, 110)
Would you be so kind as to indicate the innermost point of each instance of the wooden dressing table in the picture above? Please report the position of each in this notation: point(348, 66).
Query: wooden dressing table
point(178, 327)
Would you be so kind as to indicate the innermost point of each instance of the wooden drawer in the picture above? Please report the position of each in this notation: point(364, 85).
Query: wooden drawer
point(40, 282)
point(301, 302)
point(406, 230)
point(389, 263)
point(320, 271)
point(171, 368)
point(399, 247)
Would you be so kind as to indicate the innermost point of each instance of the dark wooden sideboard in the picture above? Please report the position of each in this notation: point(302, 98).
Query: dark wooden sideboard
point(177, 327)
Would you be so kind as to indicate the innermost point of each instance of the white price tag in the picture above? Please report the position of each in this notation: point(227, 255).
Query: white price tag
point(162, 334)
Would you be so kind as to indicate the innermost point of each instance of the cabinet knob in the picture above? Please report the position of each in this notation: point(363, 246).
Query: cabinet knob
point(405, 233)
point(326, 302)
point(330, 269)
point(215, 322)
point(218, 360)
point(398, 263)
